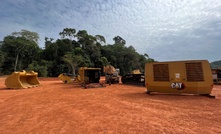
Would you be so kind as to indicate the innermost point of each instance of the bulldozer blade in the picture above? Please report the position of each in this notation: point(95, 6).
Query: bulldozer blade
point(65, 78)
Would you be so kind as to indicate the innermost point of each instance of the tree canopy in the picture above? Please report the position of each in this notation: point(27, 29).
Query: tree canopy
point(75, 49)
point(20, 49)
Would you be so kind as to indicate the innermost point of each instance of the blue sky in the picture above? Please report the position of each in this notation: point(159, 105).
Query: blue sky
point(164, 29)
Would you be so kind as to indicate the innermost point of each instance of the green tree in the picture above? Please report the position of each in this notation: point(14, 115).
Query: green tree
point(83, 39)
point(23, 44)
point(20, 51)
point(104, 61)
point(72, 60)
point(41, 69)
point(68, 32)
point(48, 41)
point(148, 58)
point(122, 57)
point(100, 39)
point(91, 45)
point(32, 36)
point(19, 46)
point(119, 40)
point(2, 60)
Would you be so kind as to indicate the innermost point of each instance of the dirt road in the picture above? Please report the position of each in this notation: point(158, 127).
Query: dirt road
point(61, 108)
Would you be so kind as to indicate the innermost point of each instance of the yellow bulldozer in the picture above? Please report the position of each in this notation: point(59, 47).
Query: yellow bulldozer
point(22, 79)
point(87, 77)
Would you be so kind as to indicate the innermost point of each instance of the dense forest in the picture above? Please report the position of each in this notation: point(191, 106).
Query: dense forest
point(75, 49)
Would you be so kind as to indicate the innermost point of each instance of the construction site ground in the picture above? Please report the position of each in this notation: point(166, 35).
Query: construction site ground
point(58, 108)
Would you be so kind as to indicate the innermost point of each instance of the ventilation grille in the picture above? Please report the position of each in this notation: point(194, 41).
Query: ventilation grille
point(161, 72)
point(194, 72)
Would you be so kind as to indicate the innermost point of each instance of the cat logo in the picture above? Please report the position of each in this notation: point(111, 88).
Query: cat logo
point(178, 86)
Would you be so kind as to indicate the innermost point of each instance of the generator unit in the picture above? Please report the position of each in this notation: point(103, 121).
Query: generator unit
point(182, 77)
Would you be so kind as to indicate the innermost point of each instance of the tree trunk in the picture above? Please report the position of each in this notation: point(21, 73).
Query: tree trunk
point(16, 62)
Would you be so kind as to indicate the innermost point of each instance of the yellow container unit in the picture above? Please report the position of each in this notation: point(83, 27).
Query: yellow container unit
point(22, 79)
point(182, 77)
point(89, 75)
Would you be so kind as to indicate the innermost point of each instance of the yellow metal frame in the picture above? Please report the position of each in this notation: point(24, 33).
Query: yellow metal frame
point(84, 79)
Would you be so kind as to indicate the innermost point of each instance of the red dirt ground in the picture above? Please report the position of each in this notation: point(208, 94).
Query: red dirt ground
point(56, 107)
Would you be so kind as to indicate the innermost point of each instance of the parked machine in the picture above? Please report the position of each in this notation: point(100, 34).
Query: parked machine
point(188, 77)
point(135, 77)
point(22, 79)
point(87, 77)
point(216, 72)
point(112, 74)
point(66, 78)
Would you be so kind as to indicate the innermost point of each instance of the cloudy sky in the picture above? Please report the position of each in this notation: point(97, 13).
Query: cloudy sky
point(164, 29)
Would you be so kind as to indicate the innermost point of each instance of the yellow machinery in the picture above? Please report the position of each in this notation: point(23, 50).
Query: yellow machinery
point(87, 77)
point(135, 77)
point(216, 72)
point(66, 78)
point(111, 73)
point(191, 77)
point(137, 71)
point(22, 79)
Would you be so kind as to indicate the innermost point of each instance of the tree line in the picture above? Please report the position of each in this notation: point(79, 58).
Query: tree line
point(215, 64)
point(75, 49)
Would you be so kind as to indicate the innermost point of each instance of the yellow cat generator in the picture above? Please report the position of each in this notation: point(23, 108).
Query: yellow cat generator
point(182, 77)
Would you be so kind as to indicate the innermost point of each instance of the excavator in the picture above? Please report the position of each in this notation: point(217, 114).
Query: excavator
point(111, 74)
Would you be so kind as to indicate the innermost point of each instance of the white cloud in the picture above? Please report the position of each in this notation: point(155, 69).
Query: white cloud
point(164, 29)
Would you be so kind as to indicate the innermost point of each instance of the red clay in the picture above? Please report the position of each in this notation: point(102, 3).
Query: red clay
point(56, 107)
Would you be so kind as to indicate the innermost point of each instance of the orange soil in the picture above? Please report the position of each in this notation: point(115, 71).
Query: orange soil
point(56, 107)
